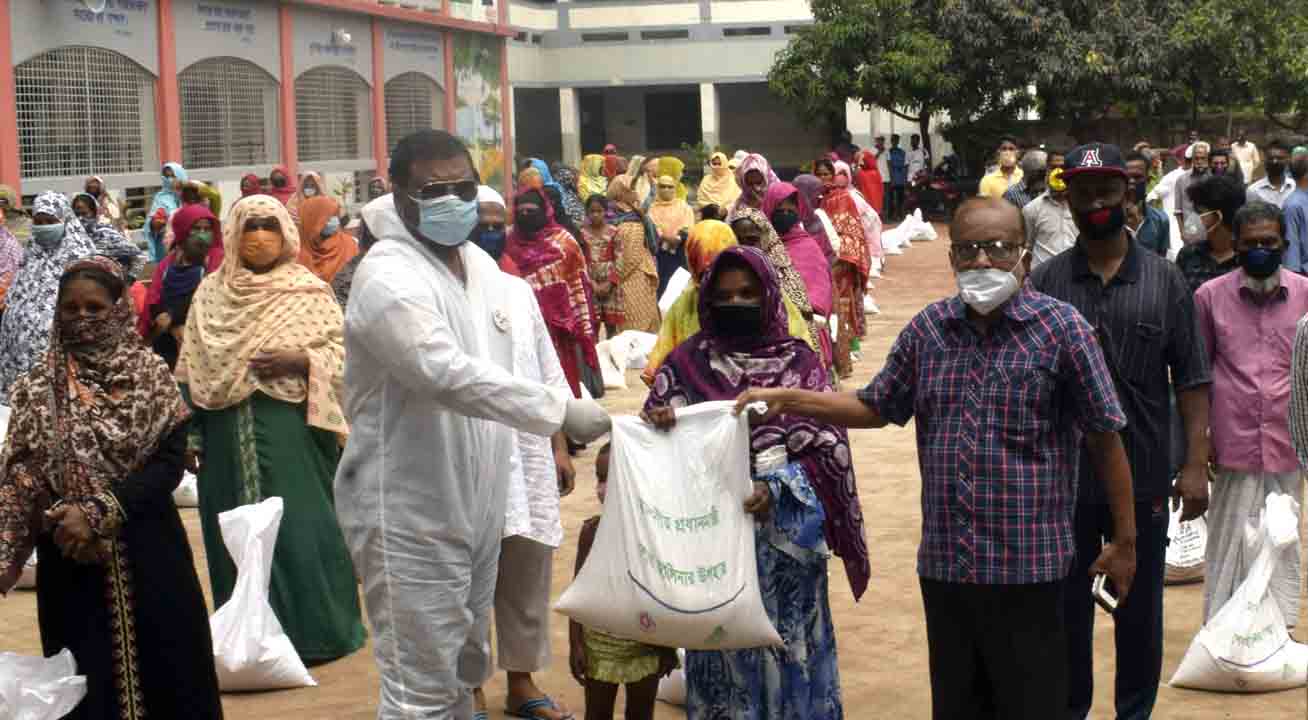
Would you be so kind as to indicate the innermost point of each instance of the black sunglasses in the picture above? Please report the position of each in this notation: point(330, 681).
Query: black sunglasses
point(466, 190)
point(995, 250)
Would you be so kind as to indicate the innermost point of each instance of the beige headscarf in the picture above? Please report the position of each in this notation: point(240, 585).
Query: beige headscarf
point(670, 216)
point(237, 314)
point(719, 186)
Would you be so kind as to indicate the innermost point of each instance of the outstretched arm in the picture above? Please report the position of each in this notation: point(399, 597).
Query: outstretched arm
point(841, 409)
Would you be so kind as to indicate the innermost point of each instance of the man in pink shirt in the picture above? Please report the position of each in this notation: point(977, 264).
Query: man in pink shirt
point(1248, 318)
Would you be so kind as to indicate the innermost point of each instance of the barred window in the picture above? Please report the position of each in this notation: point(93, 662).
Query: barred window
point(330, 115)
point(413, 102)
point(229, 113)
point(84, 111)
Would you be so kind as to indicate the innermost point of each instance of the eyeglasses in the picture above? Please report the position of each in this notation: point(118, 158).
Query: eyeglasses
point(667, 187)
point(466, 190)
point(995, 250)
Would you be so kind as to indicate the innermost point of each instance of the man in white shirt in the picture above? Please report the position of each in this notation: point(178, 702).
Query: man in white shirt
point(1165, 192)
point(1050, 227)
point(1246, 155)
point(540, 473)
point(918, 159)
point(1277, 185)
point(883, 166)
point(433, 402)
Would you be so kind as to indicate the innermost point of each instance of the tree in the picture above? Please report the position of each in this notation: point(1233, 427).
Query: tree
point(1254, 48)
point(916, 58)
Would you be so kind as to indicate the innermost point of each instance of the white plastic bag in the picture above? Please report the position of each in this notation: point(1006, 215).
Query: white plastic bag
point(250, 649)
point(921, 230)
point(677, 283)
point(1187, 542)
point(37, 688)
point(612, 367)
point(1245, 646)
point(673, 562)
point(187, 494)
point(672, 689)
point(638, 346)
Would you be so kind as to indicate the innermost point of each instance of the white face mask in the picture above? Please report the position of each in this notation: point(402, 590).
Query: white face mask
point(985, 290)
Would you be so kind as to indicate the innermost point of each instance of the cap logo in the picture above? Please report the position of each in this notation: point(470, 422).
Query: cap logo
point(1091, 158)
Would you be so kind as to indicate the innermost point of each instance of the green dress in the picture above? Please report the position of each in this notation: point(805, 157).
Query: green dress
point(262, 448)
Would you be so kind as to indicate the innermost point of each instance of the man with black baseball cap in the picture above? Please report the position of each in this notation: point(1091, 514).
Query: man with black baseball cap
point(1143, 313)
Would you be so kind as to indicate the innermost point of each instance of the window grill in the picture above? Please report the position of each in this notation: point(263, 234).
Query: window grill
point(328, 101)
point(80, 112)
point(411, 102)
point(224, 101)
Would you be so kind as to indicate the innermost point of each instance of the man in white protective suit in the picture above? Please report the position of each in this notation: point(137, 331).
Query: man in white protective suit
point(433, 405)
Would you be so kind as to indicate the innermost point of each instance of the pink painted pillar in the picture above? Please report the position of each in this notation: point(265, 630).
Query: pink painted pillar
point(290, 156)
point(506, 114)
point(11, 166)
point(379, 141)
point(167, 97)
point(451, 90)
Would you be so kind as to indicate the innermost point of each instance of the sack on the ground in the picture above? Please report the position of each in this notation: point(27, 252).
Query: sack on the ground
point(1186, 543)
point(915, 229)
point(250, 649)
point(673, 562)
point(1245, 646)
point(187, 494)
point(38, 688)
point(672, 689)
point(676, 284)
point(625, 351)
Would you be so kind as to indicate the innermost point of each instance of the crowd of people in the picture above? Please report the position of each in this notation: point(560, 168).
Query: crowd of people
point(415, 383)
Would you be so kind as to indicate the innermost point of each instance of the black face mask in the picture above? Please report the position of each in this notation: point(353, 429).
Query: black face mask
point(279, 182)
point(1102, 223)
point(738, 320)
point(784, 220)
point(531, 222)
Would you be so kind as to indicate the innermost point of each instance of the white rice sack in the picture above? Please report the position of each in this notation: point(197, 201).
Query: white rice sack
point(674, 561)
point(1245, 646)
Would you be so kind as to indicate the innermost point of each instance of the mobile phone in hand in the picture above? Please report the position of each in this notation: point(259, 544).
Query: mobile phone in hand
point(1104, 593)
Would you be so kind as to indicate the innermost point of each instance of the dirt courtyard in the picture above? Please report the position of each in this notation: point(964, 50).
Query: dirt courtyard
point(882, 640)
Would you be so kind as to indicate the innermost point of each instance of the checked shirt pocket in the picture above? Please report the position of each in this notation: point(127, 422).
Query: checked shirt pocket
point(1021, 392)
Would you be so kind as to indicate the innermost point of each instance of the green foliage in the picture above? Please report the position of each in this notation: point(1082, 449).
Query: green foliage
point(976, 59)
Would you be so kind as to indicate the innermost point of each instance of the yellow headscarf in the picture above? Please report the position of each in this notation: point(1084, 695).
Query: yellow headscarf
point(237, 314)
point(719, 186)
point(707, 240)
point(592, 180)
point(675, 169)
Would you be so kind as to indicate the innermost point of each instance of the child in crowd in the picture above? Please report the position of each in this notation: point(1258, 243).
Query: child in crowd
point(601, 662)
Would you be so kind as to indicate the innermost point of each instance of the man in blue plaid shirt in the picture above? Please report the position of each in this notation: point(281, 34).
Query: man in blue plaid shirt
point(1004, 383)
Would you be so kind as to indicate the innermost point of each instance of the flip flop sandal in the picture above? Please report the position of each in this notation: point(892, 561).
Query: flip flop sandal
point(527, 710)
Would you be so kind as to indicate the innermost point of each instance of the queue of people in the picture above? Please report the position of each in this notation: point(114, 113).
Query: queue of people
point(415, 390)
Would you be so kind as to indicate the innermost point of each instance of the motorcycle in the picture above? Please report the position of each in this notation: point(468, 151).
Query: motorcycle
point(937, 193)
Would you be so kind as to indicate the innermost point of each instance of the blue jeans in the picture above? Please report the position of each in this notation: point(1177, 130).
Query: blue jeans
point(1138, 623)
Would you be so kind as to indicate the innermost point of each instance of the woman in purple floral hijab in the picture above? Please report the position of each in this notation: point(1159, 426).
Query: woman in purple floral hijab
point(814, 507)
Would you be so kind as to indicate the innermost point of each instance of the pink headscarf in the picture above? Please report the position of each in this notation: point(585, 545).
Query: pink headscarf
point(753, 162)
point(805, 253)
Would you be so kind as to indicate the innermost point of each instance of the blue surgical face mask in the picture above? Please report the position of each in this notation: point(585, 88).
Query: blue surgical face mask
point(333, 226)
point(446, 221)
point(492, 241)
point(166, 182)
point(47, 236)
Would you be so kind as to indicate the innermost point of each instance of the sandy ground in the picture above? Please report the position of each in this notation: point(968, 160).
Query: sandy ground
point(882, 640)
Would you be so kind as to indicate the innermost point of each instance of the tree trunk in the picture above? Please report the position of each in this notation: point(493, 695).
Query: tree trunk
point(924, 129)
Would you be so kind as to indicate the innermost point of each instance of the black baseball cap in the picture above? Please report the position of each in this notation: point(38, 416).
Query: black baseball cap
point(1094, 158)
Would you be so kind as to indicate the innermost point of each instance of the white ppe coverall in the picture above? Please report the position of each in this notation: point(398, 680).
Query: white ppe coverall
point(420, 492)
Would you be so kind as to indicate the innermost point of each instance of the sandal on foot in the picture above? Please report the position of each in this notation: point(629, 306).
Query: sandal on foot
point(527, 710)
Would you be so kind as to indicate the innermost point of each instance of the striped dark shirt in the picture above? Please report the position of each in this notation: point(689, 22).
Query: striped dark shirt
point(1145, 321)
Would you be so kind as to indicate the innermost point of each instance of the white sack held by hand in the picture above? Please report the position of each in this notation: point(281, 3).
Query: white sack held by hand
point(250, 649)
point(674, 562)
point(36, 688)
